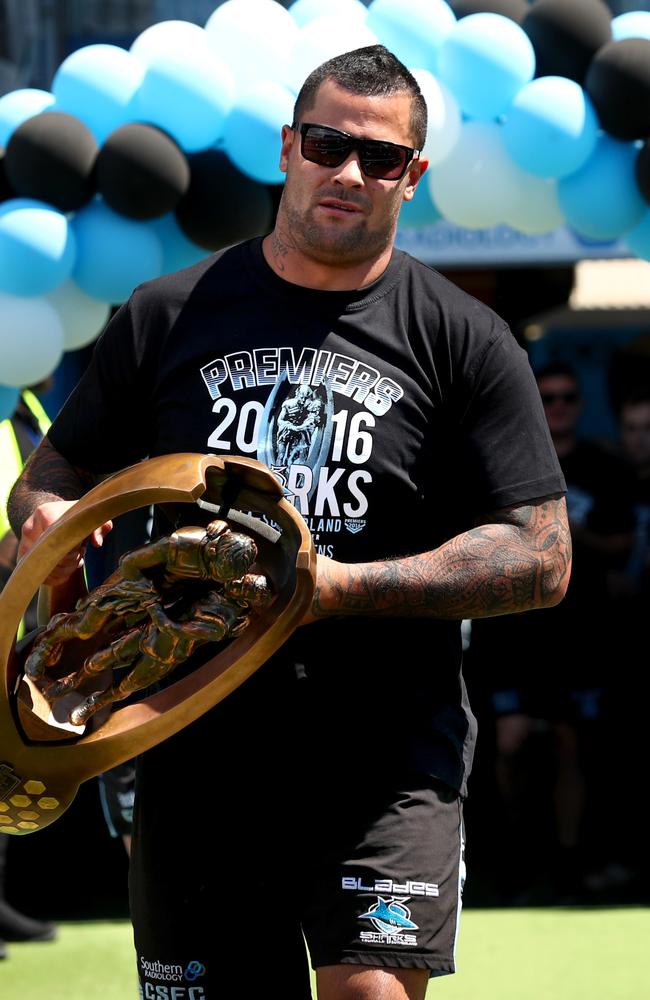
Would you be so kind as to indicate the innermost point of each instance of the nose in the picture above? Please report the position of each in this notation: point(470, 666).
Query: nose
point(349, 173)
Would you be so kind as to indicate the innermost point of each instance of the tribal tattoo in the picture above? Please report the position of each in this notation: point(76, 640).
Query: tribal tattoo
point(517, 559)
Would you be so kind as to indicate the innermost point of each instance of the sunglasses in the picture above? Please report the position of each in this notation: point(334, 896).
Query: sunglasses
point(328, 147)
point(559, 397)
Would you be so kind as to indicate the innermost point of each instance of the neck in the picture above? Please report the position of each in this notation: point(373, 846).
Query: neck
point(283, 256)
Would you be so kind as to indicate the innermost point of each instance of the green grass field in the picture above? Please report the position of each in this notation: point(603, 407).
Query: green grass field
point(518, 954)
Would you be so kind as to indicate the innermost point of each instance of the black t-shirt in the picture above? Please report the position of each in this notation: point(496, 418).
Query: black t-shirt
point(394, 415)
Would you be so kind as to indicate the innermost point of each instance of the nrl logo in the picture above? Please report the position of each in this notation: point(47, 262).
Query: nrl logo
point(8, 780)
point(354, 526)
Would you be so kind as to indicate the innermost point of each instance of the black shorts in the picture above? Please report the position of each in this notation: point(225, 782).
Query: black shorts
point(243, 844)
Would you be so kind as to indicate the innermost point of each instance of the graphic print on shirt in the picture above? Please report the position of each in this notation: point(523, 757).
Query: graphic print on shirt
point(315, 427)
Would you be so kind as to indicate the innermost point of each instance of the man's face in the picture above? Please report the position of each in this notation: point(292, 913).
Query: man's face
point(635, 432)
point(562, 403)
point(338, 215)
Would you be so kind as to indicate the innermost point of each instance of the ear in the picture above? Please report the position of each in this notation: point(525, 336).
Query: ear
point(288, 136)
point(415, 171)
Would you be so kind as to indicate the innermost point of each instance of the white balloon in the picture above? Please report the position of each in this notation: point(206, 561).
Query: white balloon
point(473, 186)
point(168, 36)
point(444, 117)
point(82, 317)
point(31, 340)
point(254, 38)
point(323, 39)
point(304, 11)
point(535, 207)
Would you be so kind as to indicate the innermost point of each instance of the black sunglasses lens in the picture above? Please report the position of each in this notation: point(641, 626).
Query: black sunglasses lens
point(325, 147)
point(382, 159)
point(559, 397)
point(330, 148)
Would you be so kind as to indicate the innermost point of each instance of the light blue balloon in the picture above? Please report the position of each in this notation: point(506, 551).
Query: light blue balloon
point(8, 401)
point(19, 105)
point(251, 136)
point(485, 60)
point(634, 24)
point(188, 94)
point(413, 30)
point(37, 247)
point(114, 253)
point(420, 211)
point(97, 84)
point(551, 128)
point(178, 251)
point(304, 11)
point(602, 199)
point(638, 239)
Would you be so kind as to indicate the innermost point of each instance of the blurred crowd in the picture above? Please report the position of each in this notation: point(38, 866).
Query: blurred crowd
point(562, 693)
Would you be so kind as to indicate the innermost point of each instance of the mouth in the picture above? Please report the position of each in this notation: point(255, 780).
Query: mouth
point(338, 207)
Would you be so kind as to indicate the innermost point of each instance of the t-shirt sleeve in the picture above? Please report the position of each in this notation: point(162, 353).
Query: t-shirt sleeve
point(103, 426)
point(508, 446)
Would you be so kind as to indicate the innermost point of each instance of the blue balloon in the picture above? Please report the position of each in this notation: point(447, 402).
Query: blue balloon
point(178, 251)
point(602, 200)
point(420, 211)
point(251, 136)
point(188, 94)
point(551, 128)
point(114, 253)
point(19, 105)
point(634, 24)
point(413, 30)
point(485, 60)
point(305, 11)
point(8, 400)
point(37, 247)
point(97, 84)
point(638, 239)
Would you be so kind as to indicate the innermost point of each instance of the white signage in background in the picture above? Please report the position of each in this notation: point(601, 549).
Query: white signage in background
point(446, 245)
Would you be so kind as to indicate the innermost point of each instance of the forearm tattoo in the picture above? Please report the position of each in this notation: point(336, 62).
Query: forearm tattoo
point(47, 476)
point(519, 559)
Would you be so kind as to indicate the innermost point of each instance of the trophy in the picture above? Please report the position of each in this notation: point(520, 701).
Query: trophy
point(216, 598)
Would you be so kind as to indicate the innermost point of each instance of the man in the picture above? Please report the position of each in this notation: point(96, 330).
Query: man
point(337, 772)
point(568, 656)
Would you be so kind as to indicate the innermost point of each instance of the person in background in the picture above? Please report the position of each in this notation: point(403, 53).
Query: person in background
point(550, 672)
point(19, 435)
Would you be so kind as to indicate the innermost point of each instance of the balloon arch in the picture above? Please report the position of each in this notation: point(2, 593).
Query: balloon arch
point(140, 162)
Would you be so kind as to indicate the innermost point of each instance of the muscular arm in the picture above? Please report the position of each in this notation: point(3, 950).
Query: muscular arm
point(517, 559)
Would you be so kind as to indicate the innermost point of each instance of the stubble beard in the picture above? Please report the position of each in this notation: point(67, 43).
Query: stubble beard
point(335, 245)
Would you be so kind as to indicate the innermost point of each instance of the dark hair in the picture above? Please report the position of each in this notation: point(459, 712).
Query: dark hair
point(556, 368)
point(372, 71)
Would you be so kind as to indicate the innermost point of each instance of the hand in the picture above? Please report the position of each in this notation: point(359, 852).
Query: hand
point(43, 517)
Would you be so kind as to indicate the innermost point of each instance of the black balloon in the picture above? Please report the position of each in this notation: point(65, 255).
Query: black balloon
point(516, 10)
point(222, 206)
point(566, 34)
point(6, 190)
point(618, 83)
point(141, 172)
point(51, 157)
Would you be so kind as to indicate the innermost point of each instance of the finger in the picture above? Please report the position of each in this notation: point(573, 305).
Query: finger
point(99, 534)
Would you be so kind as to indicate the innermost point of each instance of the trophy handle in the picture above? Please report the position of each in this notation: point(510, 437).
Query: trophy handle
point(41, 768)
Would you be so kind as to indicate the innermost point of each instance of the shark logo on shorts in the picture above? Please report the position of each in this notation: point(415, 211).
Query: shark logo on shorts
point(390, 916)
